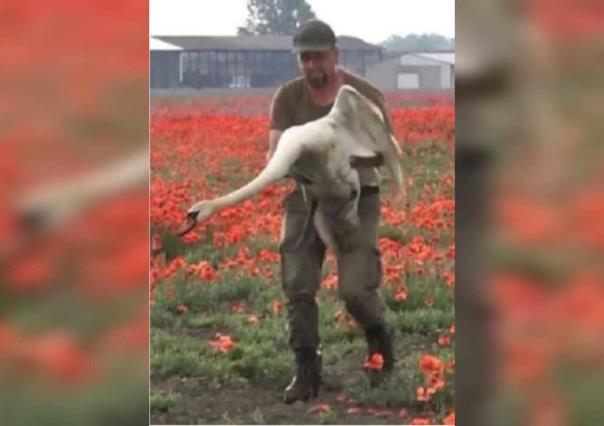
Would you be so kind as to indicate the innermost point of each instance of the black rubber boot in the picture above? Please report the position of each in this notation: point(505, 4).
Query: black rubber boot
point(305, 384)
point(379, 341)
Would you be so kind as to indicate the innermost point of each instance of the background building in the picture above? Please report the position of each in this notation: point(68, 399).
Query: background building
point(164, 64)
point(240, 61)
point(414, 71)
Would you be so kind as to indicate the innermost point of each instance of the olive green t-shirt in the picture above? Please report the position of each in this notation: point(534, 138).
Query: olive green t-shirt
point(293, 106)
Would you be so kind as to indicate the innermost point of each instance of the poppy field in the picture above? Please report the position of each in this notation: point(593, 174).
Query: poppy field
point(219, 351)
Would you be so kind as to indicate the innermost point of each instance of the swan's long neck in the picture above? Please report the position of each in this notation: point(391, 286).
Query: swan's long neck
point(265, 178)
point(287, 152)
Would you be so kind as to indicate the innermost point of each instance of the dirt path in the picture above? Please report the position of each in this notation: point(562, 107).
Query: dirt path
point(200, 401)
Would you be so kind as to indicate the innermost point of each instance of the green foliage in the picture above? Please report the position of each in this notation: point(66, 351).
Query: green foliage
point(276, 17)
point(161, 402)
point(421, 42)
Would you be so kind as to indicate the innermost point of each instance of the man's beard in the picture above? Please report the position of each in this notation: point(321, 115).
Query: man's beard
point(317, 81)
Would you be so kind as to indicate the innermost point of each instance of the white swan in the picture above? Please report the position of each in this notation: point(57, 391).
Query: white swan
point(319, 153)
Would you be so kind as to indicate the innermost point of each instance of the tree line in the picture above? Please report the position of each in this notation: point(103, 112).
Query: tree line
point(284, 17)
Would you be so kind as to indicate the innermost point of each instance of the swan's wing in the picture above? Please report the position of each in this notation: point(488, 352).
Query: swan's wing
point(365, 126)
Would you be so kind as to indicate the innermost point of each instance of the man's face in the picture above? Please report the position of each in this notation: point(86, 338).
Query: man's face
point(318, 67)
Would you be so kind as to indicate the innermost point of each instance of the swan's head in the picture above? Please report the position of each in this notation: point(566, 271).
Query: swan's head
point(204, 210)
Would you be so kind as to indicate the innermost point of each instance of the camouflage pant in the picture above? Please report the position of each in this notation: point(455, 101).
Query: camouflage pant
point(359, 264)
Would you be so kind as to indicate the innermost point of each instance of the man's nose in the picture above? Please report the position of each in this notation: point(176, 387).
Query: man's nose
point(311, 63)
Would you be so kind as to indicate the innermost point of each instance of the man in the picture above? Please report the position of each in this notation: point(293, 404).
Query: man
point(301, 100)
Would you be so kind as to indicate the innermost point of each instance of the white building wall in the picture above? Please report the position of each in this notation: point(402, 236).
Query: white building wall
point(407, 81)
point(445, 77)
point(415, 60)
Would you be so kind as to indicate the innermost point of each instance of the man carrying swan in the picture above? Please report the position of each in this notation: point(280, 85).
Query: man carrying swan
point(316, 121)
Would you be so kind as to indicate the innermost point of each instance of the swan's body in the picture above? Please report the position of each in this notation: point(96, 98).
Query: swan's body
point(318, 155)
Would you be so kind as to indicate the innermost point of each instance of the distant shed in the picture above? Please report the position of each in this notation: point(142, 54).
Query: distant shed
point(415, 71)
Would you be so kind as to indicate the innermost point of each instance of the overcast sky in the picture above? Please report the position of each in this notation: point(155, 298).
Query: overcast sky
point(371, 20)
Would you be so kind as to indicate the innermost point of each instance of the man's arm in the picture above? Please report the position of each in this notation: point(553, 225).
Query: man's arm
point(280, 119)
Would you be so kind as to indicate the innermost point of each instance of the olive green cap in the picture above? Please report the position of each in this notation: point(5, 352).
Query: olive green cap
point(314, 36)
